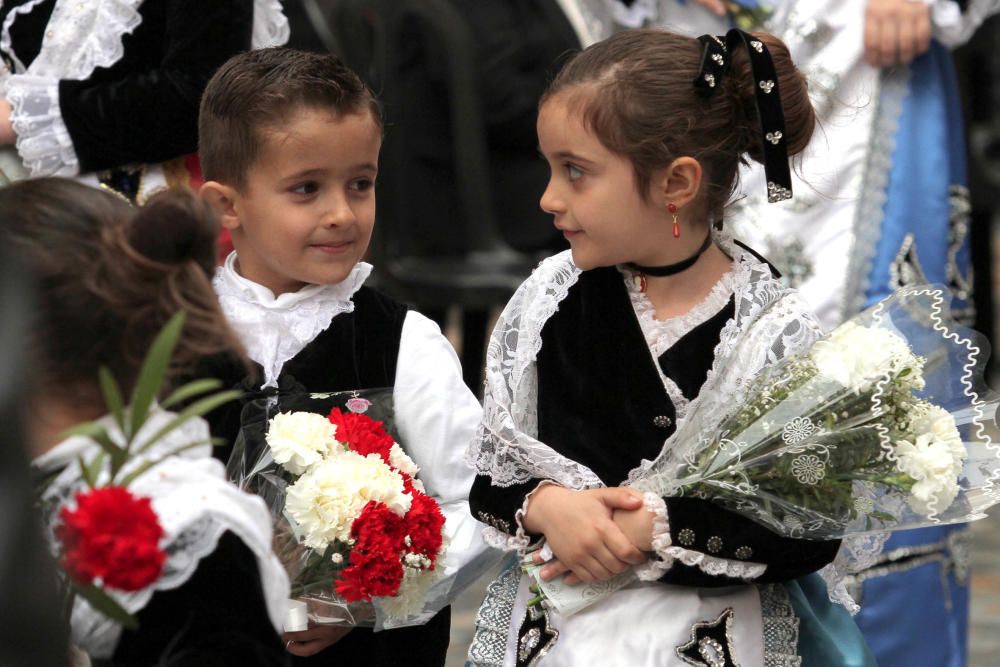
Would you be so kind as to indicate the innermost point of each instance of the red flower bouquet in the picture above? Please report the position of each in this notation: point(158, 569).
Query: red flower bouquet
point(352, 522)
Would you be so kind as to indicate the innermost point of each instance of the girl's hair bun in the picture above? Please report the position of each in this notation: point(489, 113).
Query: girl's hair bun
point(175, 227)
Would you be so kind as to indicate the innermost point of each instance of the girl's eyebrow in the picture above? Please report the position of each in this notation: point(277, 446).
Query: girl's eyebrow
point(569, 156)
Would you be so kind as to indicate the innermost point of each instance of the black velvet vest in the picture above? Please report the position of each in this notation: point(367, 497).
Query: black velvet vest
point(357, 351)
point(600, 399)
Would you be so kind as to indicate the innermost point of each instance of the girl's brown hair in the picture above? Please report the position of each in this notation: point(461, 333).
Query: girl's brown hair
point(636, 94)
point(108, 277)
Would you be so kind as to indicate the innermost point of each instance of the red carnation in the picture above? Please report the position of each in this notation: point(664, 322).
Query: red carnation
point(362, 434)
point(375, 568)
point(112, 535)
point(424, 522)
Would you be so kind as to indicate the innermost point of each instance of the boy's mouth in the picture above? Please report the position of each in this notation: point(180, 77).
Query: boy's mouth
point(332, 248)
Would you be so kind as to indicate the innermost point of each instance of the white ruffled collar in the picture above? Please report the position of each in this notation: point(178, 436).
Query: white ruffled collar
point(275, 329)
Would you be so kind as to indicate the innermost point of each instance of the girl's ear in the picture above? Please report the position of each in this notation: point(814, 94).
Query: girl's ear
point(222, 199)
point(680, 181)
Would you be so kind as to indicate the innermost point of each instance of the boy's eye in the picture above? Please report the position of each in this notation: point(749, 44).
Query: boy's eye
point(573, 172)
point(307, 188)
point(362, 185)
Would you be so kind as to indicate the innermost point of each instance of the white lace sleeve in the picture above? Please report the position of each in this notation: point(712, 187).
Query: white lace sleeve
point(43, 142)
point(667, 553)
point(505, 446)
point(954, 27)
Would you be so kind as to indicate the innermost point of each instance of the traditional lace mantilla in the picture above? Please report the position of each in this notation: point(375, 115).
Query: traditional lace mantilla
point(195, 505)
point(770, 322)
point(80, 37)
point(275, 329)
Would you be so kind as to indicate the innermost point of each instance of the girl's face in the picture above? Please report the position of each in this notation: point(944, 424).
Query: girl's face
point(592, 195)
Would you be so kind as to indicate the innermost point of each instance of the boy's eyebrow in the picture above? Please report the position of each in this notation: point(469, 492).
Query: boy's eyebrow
point(318, 171)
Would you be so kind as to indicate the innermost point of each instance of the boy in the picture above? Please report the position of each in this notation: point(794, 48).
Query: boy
point(289, 146)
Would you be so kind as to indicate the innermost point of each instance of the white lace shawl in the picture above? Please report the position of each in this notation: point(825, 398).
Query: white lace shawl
point(80, 37)
point(770, 323)
point(195, 505)
point(770, 319)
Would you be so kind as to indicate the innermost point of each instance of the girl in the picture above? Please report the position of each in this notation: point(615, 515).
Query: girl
point(109, 277)
point(606, 348)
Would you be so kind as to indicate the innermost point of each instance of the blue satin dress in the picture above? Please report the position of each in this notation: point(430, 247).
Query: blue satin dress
point(915, 602)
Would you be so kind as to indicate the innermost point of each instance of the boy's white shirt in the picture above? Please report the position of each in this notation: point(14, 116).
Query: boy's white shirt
point(436, 413)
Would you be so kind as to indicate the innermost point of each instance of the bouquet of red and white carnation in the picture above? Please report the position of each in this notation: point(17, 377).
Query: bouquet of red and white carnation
point(361, 541)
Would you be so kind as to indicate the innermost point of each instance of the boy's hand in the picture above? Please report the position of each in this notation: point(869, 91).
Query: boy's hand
point(310, 642)
point(578, 527)
point(896, 31)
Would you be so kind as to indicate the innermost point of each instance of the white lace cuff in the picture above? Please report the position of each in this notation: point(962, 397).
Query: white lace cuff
point(952, 26)
point(667, 553)
point(43, 142)
point(636, 16)
point(520, 541)
point(657, 565)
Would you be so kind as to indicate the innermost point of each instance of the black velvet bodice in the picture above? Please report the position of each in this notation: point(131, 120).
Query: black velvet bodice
point(600, 399)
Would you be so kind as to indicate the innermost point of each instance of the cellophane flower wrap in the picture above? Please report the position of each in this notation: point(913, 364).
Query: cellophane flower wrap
point(883, 424)
point(362, 543)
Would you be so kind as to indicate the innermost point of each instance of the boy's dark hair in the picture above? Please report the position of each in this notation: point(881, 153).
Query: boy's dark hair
point(257, 90)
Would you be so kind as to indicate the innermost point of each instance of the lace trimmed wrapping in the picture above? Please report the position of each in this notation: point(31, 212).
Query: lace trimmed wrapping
point(195, 506)
point(275, 329)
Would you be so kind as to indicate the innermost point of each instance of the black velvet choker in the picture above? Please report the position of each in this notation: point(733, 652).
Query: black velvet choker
point(677, 267)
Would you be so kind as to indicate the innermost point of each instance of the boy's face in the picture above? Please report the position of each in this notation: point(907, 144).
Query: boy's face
point(308, 208)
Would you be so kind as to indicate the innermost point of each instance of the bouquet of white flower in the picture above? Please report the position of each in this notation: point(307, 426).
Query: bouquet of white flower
point(361, 541)
point(883, 424)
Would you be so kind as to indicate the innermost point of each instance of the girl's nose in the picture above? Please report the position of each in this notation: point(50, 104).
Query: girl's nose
point(550, 201)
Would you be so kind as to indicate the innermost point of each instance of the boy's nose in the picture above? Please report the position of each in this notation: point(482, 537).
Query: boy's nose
point(339, 213)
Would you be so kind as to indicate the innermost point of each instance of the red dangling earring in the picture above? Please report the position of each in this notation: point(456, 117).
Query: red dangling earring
point(672, 208)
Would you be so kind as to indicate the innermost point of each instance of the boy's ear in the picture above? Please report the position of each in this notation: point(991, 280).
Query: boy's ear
point(680, 181)
point(222, 199)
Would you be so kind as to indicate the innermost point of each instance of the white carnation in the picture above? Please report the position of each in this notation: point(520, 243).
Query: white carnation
point(855, 356)
point(300, 440)
point(931, 462)
point(326, 500)
point(399, 460)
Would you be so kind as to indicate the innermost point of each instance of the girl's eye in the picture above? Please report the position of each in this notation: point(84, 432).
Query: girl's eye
point(307, 188)
point(573, 172)
point(362, 185)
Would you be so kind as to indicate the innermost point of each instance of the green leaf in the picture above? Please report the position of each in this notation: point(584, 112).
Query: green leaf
point(113, 398)
point(154, 371)
point(106, 605)
point(96, 432)
point(190, 390)
point(86, 473)
point(196, 409)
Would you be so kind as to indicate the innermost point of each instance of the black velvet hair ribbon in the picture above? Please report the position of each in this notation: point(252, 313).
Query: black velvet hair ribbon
point(715, 64)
